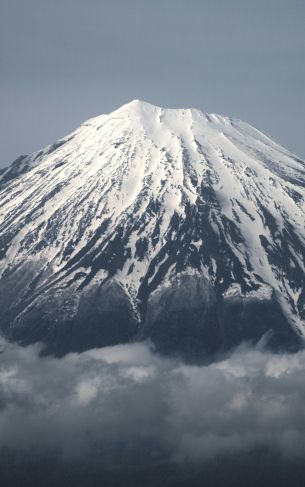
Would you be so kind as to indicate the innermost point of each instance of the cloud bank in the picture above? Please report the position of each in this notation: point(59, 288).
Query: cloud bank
point(125, 404)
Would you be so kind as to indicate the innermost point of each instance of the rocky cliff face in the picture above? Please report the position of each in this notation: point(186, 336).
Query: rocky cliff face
point(182, 227)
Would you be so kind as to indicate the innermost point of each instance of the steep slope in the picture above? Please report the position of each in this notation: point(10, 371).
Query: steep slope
point(180, 226)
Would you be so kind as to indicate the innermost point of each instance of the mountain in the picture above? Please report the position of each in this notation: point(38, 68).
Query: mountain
point(182, 227)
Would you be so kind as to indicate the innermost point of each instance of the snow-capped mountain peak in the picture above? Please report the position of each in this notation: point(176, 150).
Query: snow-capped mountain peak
point(142, 196)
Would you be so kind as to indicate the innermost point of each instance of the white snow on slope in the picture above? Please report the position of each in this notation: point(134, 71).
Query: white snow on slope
point(114, 166)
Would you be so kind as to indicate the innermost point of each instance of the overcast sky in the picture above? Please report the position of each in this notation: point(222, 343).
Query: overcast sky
point(63, 61)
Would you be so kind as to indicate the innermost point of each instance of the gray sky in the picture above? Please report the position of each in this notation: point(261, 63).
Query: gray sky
point(63, 61)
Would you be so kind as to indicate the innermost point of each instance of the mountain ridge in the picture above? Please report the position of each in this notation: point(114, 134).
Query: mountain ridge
point(130, 201)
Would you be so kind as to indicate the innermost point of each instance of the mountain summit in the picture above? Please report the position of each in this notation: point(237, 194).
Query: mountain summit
point(170, 224)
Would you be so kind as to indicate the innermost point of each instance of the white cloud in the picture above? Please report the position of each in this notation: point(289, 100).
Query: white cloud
point(126, 396)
